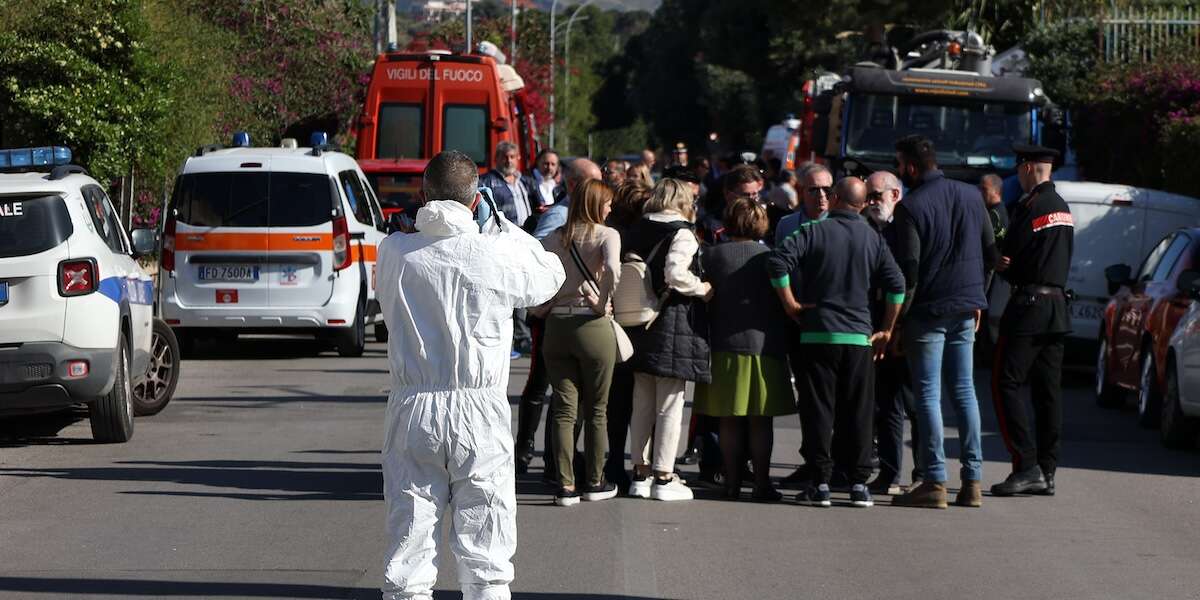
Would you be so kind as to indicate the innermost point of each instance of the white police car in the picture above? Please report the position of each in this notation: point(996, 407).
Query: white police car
point(272, 240)
point(76, 314)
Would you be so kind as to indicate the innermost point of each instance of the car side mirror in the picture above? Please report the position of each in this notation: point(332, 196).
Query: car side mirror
point(1117, 276)
point(1188, 283)
point(144, 242)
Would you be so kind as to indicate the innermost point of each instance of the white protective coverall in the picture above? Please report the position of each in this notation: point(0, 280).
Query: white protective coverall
point(448, 294)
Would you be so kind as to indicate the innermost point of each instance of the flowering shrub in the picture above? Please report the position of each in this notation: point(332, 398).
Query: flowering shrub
point(300, 65)
point(1140, 125)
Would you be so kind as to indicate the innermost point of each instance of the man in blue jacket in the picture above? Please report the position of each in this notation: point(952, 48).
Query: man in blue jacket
point(841, 259)
point(945, 248)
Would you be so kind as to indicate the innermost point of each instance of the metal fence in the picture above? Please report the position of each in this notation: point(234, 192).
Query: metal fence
point(1136, 34)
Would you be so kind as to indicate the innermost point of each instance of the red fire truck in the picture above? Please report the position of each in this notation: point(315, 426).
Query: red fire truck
point(419, 103)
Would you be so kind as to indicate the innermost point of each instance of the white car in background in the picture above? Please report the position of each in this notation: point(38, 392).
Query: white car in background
point(1180, 417)
point(1114, 224)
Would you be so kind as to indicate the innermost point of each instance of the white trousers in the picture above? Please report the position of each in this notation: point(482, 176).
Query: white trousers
point(657, 413)
point(450, 450)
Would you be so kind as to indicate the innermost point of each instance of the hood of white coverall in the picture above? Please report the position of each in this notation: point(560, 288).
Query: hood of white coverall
point(448, 292)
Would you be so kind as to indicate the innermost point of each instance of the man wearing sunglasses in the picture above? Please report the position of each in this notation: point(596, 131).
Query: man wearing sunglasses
point(816, 186)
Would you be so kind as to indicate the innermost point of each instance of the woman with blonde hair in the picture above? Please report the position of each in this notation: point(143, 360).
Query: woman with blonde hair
point(639, 174)
point(673, 349)
point(580, 349)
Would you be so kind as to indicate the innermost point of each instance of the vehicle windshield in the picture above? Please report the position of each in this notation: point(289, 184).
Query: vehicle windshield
point(397, 192)
point(964, 133)
point(253, 199)
point(31, 224)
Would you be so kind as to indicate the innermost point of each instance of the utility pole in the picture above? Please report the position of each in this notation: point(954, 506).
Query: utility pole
point(553, 34)
point(392, 38)
point(512, 46)
point(567, 83)
point(469, 46)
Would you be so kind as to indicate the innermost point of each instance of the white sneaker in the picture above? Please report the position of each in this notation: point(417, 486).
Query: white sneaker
point(640, 488)
point(671, 489)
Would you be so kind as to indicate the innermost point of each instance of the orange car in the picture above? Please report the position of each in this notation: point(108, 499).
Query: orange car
point(1138, 322)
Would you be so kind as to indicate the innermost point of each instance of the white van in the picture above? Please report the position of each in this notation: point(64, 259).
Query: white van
point(272, 240)
point(1113, 224)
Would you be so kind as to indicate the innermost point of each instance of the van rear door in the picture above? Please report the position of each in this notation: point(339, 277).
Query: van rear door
point(300, 272)
point(221, 247)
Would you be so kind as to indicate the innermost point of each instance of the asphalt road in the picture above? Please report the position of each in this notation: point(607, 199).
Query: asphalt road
point(262, 480)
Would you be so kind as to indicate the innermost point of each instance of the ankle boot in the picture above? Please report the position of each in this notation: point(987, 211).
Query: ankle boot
point(970, 495)
point(926, 495)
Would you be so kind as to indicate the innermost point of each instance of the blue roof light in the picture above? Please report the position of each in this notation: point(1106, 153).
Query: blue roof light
point(241, 139)
point(318, 138)
point(42, 156)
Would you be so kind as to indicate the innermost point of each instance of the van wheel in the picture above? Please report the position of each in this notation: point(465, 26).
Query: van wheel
point(1107, 394)
point(152, 394)
point(353, 341)
point(381, 333)
point(1149, 403)
point(112, 414)
point(1176, 429)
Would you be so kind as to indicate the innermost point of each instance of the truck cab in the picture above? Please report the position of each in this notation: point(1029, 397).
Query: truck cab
point(939, 85)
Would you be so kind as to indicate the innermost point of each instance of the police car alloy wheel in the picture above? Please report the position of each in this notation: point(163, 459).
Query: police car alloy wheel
point(111, 415)
point(153, 393)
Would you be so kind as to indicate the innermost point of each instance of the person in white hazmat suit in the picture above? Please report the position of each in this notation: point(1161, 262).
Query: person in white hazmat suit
point(448, 292)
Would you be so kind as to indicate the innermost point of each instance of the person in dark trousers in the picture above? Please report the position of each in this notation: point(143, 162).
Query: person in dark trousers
point(1036, 260)
point(946, 248)
point(991, 187)
point(533, 396)
point(841, 259)
point(893, 384)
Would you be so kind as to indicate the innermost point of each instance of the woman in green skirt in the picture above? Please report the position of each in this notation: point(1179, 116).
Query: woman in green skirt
point(748, 335)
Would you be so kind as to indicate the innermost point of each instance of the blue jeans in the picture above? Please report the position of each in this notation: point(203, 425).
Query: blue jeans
point(940, 357)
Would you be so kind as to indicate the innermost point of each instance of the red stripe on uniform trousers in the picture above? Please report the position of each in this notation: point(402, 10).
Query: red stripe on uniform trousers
point(998, 401)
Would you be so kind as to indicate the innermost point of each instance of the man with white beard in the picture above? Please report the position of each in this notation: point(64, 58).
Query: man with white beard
point(893, 385)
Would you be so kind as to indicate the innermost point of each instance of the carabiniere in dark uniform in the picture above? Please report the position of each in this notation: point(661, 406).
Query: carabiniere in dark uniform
point(1038, 247)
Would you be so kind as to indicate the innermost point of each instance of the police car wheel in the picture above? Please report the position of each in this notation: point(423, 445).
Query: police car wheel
point(155, 391)
point(1176, 430)
point(1149, 403)
point(1107, 394)
point(381, 333)
point(111, 415)
point(353, 341)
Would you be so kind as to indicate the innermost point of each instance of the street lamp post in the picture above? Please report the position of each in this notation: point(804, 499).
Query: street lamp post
point(567, 69)
point(553, 34)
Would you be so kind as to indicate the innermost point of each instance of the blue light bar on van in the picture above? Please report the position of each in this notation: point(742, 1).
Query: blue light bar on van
point(318, 139)
point(241, 139)
point(42, 156)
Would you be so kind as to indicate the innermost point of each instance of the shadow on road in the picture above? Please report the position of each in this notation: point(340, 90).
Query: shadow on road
point(41, 429)
point(158, 588)
point(271, 480)
point(258, 348)
point(206, 589)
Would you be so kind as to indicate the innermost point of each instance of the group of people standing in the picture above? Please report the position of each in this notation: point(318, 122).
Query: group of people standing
point(858, 310)
point(860, 314)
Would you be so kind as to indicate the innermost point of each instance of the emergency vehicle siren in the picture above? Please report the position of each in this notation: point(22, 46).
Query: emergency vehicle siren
point(241, 139)
point(318, 139)
point(27, 158)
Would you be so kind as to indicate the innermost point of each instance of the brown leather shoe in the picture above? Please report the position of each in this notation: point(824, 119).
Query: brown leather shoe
point(970, 495)
point(926, 495)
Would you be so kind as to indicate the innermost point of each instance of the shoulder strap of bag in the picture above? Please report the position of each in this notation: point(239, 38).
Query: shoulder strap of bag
point(579, 264)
